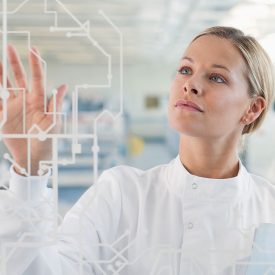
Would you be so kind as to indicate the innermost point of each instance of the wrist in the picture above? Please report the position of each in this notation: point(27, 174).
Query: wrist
point(21, 168)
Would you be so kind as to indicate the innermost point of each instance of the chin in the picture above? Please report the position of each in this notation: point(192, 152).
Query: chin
point(186, 128)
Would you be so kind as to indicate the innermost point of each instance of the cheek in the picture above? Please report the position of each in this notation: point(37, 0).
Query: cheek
point(176, 83)
point(172, 93)
point(173, 87)
point(170, 108)
point(227, 108)
point(175, 90)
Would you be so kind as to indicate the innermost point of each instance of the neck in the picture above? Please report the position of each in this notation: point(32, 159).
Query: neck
point(209, 159)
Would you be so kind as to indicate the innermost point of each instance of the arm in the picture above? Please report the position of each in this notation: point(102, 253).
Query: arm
point(28, 227)
point(29, 239)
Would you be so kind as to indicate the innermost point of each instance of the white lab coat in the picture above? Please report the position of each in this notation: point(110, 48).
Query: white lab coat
point(159, 221)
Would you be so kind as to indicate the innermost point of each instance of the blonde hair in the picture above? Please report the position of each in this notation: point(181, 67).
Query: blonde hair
point(260, 73)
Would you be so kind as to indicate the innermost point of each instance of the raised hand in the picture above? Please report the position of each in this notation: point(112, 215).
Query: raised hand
point(34, 110)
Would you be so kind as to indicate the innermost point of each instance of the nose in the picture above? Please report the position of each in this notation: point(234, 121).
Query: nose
point(193, 90)
point(190, 86)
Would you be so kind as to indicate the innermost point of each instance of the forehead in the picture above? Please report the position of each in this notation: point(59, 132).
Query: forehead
point(210, 49)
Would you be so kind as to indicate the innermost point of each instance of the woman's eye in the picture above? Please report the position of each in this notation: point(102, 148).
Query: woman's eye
point(184, 70)
point(217, 79)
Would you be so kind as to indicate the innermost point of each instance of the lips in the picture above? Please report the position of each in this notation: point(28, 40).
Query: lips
point(188, 104)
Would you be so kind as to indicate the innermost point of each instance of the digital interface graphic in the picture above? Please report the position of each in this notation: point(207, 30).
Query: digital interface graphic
point(31, 233)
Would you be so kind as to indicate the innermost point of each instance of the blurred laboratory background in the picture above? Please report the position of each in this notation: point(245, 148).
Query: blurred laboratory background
point(121, 55)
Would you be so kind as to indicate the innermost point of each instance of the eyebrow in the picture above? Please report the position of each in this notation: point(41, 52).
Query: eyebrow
point(213, 65)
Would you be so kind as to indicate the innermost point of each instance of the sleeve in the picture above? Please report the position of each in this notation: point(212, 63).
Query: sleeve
point(32, 243)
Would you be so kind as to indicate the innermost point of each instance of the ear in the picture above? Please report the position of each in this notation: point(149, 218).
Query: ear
point(257, 105)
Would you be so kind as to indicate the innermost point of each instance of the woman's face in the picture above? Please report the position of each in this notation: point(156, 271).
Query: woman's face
point(211, 74)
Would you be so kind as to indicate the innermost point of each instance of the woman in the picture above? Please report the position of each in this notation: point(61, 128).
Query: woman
point(195, 215)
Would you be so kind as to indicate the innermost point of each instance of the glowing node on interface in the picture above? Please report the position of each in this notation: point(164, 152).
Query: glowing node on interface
point(40, 172)
point(5, 95)
point(77, 148)
point(23, 171)
point(6, 156)
point(42, 136)
point(95, 149)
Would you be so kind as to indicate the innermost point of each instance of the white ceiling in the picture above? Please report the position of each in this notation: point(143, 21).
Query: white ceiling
point(151, 29)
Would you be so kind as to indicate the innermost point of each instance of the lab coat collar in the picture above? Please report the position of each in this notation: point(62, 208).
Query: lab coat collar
point(192, 187)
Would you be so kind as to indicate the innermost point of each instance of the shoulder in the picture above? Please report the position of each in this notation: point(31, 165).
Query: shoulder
point(262, 184)
point(262, 200)
point(127, 170)
point(263, 191)
point(129, 173)
point(131, 179)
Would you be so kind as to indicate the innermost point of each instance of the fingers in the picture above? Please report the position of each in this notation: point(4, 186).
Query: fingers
point(17, 67)
point(61, 90)
point(36, 72)
point(9, 86)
